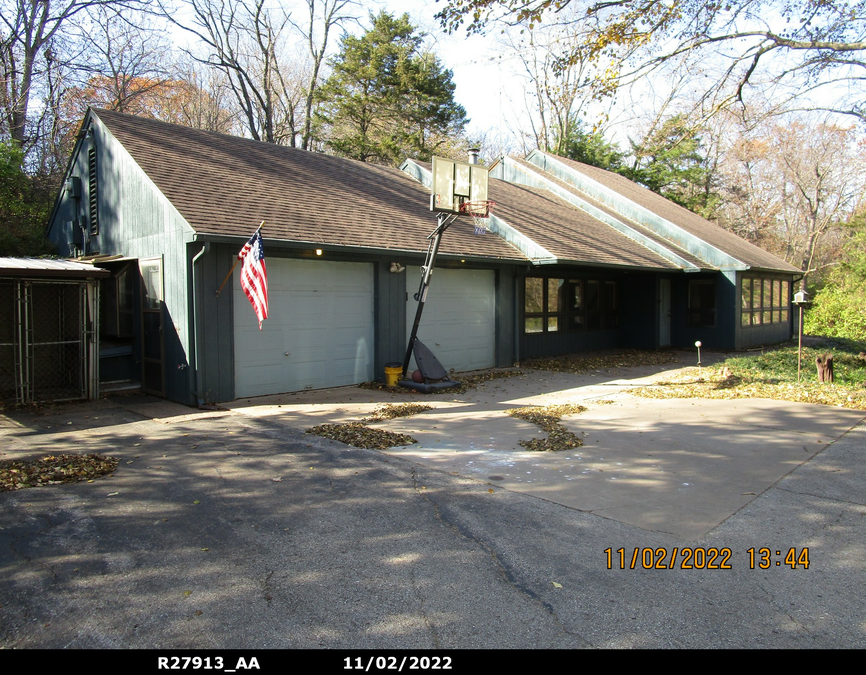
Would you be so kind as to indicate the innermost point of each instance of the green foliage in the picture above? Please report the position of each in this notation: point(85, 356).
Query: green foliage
point(24, 206)
point(839, 308)
point(385, 99)
point(589, 147)
point(780, 365)
point(669, 161)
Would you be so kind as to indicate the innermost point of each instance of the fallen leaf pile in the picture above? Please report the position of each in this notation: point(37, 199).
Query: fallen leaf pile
point(715, 386)
point(390, 412)
point(360, 436)
point(576, 363)
point(53, 470)
point(467, 382)
point(547, 418)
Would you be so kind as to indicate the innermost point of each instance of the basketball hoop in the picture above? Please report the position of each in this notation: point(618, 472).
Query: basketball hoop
point(479, 211)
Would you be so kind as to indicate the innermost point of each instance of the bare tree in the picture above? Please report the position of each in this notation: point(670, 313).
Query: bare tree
point(246, 41)
point(789, 184)
point(812, 51)
point(129, 58)
point(323, 16)
point(30, 29)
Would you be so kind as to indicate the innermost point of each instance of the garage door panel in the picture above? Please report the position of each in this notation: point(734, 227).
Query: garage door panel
point(458, 323)
point(319, 332)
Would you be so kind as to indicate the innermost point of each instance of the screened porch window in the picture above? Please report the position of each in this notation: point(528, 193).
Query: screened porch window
point(764, 301)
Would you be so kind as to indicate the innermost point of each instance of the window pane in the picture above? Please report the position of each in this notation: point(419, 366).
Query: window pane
point(786, 294)
point(576, 300)
point(767, 317)
point(768, 295)
point(150, 274)
point(534, 324)
point(784, 315)
point(746, 318)
point(552, 324)
point(777, 293)
point(554, 290)
point(747, 294)
point(593, 306)
point(534, 302)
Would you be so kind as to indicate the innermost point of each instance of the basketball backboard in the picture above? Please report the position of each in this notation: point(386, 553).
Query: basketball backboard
point(457, 182)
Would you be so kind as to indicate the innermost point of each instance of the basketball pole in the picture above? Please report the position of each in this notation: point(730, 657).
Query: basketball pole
point(444, 220)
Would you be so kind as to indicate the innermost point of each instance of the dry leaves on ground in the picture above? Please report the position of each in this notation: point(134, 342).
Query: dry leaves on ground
point(360, 436)
point(466, 383)
point(714, 385)
point(53, 470)
point(547, 418)
point(625, 358)
point(393, 411)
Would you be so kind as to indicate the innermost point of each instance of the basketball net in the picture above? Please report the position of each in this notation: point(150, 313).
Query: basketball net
point(479, 211)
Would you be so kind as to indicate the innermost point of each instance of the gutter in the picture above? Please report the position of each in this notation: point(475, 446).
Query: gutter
point(197, 331)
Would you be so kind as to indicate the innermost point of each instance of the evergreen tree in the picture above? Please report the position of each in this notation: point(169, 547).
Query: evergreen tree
point(669, 161)
point(386, 99)
point(589, 147)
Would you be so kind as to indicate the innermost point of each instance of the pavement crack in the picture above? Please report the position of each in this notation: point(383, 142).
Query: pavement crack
point(505, 570)
point(819, 496)
point(266, 588)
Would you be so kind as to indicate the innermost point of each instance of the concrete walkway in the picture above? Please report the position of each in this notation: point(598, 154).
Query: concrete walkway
point(676, 466)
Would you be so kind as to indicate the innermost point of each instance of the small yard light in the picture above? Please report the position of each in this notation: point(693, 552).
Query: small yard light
point(698, 345)
point(801, 299)
point(318, 251)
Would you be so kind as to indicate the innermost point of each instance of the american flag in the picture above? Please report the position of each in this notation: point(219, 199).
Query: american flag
point(254, 277)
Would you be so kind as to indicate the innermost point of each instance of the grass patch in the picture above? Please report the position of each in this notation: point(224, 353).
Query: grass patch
point(773, 374)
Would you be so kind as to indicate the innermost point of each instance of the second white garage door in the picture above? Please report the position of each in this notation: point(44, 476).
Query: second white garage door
point(459, 319)
point(319, 332)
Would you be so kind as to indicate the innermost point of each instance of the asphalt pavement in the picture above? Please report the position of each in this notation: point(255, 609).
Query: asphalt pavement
point(235, 530)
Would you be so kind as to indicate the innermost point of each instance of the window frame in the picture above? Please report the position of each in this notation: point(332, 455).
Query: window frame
point(572, 312)
point(701, 312)
point(765, 300)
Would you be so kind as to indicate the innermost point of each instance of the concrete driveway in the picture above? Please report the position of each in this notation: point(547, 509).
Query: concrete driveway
point(678, 466)
point(223, 530)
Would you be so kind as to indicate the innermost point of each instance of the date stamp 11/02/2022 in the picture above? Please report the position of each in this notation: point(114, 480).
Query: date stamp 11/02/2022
point(700, 558)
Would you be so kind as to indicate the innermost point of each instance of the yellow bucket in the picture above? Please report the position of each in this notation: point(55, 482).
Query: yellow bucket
point(393, 371)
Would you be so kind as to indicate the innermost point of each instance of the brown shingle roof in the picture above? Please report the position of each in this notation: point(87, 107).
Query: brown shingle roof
point(649, 234)
point(225, 185)
point(690, 222)
point(569, 233)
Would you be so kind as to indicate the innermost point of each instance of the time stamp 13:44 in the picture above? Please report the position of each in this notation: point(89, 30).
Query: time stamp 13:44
point(700, 558)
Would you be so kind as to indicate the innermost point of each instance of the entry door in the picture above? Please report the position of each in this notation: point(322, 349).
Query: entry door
point(152, 347)
point(664, 312)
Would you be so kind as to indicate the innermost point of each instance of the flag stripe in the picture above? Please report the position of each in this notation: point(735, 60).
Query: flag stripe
point(254, 276)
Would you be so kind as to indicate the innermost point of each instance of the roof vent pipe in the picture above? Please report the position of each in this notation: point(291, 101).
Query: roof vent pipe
point(473, 155)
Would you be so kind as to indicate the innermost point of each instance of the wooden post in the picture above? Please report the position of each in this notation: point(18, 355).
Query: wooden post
point(800, 345)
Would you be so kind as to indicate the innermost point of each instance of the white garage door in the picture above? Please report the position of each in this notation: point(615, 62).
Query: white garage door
point(458, 323)
point(319, 332)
